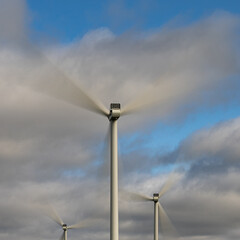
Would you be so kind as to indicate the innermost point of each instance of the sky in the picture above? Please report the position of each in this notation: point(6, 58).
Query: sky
point(174, 67)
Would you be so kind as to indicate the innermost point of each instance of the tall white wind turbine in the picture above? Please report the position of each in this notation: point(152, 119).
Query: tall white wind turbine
point(113, 117)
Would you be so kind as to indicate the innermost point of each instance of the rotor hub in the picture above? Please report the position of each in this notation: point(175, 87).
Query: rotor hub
point(155, 197)
point(115, 111)
point(64, 226)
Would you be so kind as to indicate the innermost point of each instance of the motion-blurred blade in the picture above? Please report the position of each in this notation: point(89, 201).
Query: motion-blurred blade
point(62, 88)
point(149, 96)
point(165, 92)
point(82, 224)
point(48, 79)
point(51, 212)
point(167, 229)
point(62, 236)
point(132, 196)
point(168, 184)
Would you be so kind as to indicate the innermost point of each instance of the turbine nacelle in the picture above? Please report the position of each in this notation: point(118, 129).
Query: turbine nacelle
point(115, 111)
point(64, 227)
point(155, 197)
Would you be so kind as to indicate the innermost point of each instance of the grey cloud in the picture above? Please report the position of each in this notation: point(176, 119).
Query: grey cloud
point(13, 21)
point(213, 150)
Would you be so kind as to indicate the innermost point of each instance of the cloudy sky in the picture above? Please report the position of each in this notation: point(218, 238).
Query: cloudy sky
point(173, 65)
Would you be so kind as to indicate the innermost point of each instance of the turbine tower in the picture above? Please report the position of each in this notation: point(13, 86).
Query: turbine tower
point(113, 117)
point(155, 200)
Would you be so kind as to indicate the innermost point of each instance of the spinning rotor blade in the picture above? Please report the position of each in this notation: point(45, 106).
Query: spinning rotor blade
point(62, 236)
point(47, 78)
point(81, 224)
point(77, 96)
point(167, 228)
point(150, 96)
point(132, 196)
point(63, 88)
point(51, 212)
point(168, 184)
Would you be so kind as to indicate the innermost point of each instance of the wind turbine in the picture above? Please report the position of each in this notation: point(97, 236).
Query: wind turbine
point(159, 212)
point(56, 218)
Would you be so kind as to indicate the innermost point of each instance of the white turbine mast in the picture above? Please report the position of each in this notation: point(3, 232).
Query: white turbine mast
point(115, 111)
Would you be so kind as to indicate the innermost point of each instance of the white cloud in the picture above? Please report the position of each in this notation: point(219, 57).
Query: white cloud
point(220, 143)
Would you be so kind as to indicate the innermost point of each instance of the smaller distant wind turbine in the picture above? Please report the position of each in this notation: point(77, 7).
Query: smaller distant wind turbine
point(56, 218)
point(167, 227)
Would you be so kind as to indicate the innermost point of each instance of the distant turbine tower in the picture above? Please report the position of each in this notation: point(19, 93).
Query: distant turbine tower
point(51, 212)
point(166, 226)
